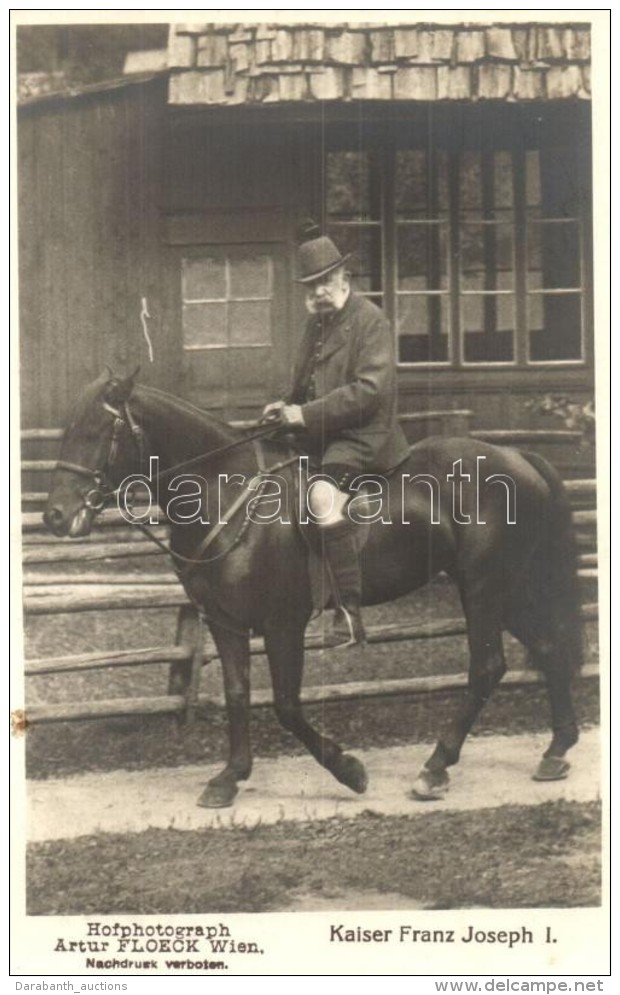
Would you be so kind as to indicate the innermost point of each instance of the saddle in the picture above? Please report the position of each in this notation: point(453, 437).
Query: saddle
point(269, 457)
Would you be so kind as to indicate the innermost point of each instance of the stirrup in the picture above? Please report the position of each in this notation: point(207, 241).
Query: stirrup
point(347, 629)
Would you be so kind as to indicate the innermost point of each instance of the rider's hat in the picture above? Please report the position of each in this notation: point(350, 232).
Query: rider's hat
point(317, 257)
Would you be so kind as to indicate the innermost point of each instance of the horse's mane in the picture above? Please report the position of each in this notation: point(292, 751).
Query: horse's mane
point(207, 418)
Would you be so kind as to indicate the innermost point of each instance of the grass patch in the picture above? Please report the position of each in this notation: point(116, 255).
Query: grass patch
point(511, 857)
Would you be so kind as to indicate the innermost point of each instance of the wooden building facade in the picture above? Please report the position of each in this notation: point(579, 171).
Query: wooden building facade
point(453, 162)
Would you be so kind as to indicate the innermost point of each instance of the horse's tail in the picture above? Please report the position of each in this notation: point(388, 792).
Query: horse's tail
point(558, 579)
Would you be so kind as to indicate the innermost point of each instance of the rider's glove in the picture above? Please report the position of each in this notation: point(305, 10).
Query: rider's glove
point(273, 412)
point(292, 416)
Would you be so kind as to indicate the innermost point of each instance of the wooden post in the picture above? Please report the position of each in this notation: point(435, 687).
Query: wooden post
point(184, 676)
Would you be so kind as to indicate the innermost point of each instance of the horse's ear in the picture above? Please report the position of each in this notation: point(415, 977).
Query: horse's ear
point(119, 390)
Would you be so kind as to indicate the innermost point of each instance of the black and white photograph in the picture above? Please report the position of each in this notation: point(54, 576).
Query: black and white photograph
point(311, 344)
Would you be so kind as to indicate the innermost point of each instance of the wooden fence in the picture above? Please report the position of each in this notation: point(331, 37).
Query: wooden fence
point(51, 588)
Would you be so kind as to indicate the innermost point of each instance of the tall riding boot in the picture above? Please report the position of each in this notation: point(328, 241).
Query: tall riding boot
point(343, 560)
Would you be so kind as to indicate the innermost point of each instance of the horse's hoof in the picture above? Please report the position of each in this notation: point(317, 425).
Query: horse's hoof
point(430, 787)
point(218, 795)
point(352, 773)
point(551, 769)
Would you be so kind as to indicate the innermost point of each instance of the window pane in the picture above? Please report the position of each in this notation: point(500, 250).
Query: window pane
point(411, 184)
point(348, 181)
point(554, 321)
point(486, 184)
point(487, 312)
point(553, 255)
point(364, 244)
point(422, 257)
point(532, 179)
point(250, 322)
point(503, 190)
point(479, 281)
point(250, 277)
point(422, 325)
point(421, 184)
point(535, 312)
point(488, 323)
point(487, 256)
point(375, 298)
point(204, 325)
point(470, 186)
point(496, 348)
point(560, 179)
point(203, 279)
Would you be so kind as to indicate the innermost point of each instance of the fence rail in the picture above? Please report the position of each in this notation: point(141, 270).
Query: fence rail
point(351, 691)
point(50, 588)
point(206, 653)
point(526, 436)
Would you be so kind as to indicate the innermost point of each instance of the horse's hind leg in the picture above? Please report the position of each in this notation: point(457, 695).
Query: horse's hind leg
point(536, 633)
point(285, 651)
point(480, 595)
point(234, 650)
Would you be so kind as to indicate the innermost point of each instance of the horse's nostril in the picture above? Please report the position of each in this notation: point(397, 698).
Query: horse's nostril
point(53, 518)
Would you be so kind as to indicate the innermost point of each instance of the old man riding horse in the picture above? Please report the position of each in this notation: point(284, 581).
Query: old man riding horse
point(514, 566)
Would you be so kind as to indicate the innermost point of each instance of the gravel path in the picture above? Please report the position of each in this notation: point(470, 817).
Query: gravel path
point(494, 770)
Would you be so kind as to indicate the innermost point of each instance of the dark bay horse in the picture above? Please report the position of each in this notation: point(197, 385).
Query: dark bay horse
point(504, 535)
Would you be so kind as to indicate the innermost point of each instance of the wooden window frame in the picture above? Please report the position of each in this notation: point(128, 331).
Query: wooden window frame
point(377, 164)
point(383, 159)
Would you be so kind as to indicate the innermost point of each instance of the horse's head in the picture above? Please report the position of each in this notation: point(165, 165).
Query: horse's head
point(96, 454)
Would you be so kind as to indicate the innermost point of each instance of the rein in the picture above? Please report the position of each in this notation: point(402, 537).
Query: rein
point(217, 452)
point(252, 490)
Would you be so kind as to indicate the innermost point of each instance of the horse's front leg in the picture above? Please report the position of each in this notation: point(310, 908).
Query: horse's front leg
point(284, 644)
point(234, 651)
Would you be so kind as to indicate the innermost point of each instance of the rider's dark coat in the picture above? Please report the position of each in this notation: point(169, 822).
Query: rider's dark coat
point(345, 381)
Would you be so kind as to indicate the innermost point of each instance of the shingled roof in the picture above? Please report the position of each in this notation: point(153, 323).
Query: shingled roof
point(226, 64)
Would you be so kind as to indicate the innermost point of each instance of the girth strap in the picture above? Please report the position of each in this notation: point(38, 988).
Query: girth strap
point(251, 489)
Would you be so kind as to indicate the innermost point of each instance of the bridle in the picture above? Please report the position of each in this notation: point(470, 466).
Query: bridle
point(97, 497)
